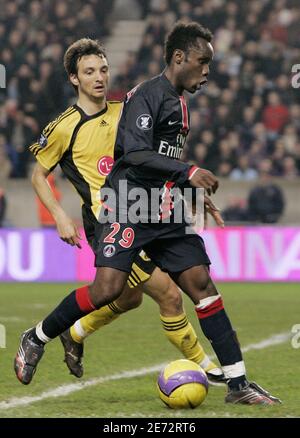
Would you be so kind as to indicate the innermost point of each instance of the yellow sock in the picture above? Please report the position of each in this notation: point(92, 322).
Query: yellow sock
point(180, 333)
point(94, 320)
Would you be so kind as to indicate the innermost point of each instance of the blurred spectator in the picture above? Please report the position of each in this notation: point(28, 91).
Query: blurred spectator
point(295, 116)
point(227, 154)
point(266, 201)
point(145, 7)
point(21, 131)
point(200, 154)
point(275, 114)
point(235, 211)
point(5, 164)
point(278, 157)
point(290, 138)
point(2, 207)
point(224, 169)
point(290, 170)
point(45, 217)
point(243, 172)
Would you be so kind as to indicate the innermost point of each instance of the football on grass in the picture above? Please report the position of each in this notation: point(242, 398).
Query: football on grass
point(182, 384)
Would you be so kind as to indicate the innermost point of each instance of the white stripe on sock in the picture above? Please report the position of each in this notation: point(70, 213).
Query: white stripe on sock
point(79, 329)
point(40, 334)
point(205, 362)
point(207, 301)
point(236, 370)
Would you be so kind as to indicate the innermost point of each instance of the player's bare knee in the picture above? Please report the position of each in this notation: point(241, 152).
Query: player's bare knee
point(210, 288)
point(132, 301)
point(100, 296)
point(130, 298)
point(102, 293)
point(204, 288)
point(171, 301)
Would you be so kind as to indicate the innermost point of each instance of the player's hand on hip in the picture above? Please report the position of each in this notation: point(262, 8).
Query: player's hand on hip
point(68, 231)
point(214, 211)
point(203, 178)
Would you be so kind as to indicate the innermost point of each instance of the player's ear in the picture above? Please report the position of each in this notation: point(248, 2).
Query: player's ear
point(178, 56)
point(74, 79)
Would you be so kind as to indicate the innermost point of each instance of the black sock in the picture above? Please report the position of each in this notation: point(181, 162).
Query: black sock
point(73, 307)
point(218, 330)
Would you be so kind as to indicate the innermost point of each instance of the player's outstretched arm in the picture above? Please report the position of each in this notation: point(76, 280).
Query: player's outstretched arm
point(66, 228)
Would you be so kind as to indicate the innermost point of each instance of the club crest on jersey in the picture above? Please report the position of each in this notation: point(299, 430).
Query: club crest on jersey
point(42, 141)
point(105, 165)
point(109, 250)
point(144, 122)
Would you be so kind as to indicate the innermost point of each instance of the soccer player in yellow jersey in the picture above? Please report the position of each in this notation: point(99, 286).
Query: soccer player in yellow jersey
point(81, 140)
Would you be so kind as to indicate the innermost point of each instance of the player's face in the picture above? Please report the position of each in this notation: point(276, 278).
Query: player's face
point(195, 68)
point(92, 76)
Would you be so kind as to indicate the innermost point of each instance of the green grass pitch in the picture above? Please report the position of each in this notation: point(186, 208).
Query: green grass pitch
point(136, 341)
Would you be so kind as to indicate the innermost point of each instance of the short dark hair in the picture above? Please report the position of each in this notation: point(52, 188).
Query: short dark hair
point(82, 47)
point(183, 36)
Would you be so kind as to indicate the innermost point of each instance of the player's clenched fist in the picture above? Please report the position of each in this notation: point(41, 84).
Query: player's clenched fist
point(203, 178)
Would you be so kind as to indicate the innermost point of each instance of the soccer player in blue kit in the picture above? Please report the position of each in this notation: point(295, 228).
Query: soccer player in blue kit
point(151, 136)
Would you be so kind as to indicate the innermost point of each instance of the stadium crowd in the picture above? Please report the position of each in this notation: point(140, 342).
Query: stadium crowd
point(247, 112)
point(33, 37)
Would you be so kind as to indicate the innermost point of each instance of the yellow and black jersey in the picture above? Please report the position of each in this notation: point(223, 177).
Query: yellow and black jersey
point(84, 147)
